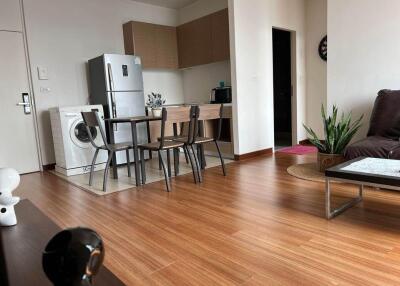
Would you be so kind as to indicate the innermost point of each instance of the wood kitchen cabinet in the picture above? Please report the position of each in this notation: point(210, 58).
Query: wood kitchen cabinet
point(204, 40)
point(155, 44)
point(220, 36)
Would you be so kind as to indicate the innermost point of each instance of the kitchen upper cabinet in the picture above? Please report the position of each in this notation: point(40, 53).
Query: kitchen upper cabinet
point(10, 16)
point(204, 40)
point(155, 44)
point(194, 43)
point(220, 36)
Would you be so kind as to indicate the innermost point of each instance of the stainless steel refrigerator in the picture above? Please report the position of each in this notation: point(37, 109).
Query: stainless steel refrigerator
point(116, 82)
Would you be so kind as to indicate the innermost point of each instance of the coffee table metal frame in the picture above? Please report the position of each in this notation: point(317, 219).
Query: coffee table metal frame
point(361, 179)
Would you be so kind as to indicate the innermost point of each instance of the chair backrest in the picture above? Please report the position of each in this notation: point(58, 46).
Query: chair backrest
point(175, 115)
point(92, 120)
point(209, 112)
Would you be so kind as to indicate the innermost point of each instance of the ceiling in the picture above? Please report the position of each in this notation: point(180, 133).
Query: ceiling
point(174, 4)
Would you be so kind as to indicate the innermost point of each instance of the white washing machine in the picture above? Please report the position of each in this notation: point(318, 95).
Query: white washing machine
point(72, 147)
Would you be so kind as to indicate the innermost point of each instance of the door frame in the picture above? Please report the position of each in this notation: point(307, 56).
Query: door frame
point(30, 86)
point(293, 48)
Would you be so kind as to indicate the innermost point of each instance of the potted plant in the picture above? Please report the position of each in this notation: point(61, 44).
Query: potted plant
point(338, 134)
point(155, 101)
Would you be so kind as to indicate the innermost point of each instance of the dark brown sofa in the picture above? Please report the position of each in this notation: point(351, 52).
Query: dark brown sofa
point(383, 138)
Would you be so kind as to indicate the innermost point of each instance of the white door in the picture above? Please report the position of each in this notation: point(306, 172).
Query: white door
point(18, 148)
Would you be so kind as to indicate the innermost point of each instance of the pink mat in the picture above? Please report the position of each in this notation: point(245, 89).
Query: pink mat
point(299, 150)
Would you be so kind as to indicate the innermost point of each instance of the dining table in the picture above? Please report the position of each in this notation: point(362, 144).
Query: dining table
point(134, 121)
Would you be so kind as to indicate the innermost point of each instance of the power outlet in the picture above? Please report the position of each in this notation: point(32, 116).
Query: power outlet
point(43, 73)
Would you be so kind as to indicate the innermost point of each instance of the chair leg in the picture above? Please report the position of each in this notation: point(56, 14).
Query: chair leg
point(186, 155)
point(169, 163)
point(221, 159)
point(165, 171)
point(92, 166)
point(105, 179)
point(176, 161)
point(159, 163)
point(128, 163)
point(143, 166)
point(197, 164)
point(192, 164)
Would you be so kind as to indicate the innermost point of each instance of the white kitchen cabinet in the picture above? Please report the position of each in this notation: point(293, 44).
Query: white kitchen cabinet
point(10, 15)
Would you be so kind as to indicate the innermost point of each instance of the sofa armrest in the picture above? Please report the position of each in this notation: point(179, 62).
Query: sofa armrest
point(393, 150)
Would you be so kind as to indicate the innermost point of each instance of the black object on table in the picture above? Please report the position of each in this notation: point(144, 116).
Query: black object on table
point(23, 245)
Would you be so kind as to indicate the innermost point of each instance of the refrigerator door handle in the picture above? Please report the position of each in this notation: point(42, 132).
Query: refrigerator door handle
point(113, 104)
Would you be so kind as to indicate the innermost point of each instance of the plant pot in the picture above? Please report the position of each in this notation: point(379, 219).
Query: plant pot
point(325, 161)
point(157, 112)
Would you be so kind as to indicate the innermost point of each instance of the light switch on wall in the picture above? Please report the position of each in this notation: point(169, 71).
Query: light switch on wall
point(42, 73)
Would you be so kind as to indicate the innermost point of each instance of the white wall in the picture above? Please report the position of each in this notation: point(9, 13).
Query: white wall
point(252, 67)
point(363, 53)
point(63, 35)
point(200, 9)
point(316, 68)
point(199, 80)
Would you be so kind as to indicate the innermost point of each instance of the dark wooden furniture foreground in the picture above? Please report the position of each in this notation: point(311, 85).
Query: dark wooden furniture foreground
point(23, 245)
point(359, 178)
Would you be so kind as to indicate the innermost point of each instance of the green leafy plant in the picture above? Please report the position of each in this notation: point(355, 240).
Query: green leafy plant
point(337, 133)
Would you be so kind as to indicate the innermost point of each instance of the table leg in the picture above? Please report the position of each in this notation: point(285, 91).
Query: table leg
point(332, 213)
point(114, 156)
point(135, 153)
point(149, 138)
point(176, 151)
point(200, 147)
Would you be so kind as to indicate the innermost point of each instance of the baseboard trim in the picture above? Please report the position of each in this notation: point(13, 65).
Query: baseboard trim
point(49, 167)
point(254, 154)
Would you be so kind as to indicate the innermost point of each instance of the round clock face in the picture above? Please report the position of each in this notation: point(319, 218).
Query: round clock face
point(323, 48)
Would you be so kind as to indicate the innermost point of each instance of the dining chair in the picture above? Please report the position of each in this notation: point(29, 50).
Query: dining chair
point(92, 120)
point(203, 113)
point(182, 135)
point(174, 115)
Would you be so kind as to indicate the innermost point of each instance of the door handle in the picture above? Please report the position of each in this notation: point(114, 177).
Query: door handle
point(25, 103)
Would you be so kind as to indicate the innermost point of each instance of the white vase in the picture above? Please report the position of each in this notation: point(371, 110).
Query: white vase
point(157, 112)
point(7, 213)
point(9, 181)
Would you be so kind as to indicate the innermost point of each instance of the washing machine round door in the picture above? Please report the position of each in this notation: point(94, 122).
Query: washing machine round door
point(79, 134)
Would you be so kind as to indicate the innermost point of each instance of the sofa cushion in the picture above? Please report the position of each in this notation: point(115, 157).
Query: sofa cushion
point(385, 118)
point(373, 146)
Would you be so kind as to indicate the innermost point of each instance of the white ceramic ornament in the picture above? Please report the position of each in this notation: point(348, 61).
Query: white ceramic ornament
point(9, 181)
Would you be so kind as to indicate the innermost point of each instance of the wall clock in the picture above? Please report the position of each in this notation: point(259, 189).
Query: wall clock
point(323, 48)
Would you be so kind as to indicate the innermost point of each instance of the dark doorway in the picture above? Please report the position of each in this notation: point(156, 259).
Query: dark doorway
point(282, 61)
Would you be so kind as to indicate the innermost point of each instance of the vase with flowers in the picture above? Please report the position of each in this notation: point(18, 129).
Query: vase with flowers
point(155, 101)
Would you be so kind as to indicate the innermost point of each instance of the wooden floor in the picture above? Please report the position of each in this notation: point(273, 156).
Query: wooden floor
point(257, 226)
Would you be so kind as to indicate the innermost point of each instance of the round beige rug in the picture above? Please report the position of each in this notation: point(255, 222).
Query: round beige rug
point(307, 171)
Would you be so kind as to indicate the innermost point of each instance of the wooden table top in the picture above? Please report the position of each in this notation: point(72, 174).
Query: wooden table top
point(24, 243)
point(136, 119)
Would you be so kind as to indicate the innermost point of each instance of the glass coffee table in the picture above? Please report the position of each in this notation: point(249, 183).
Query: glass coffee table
point(362, 171)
